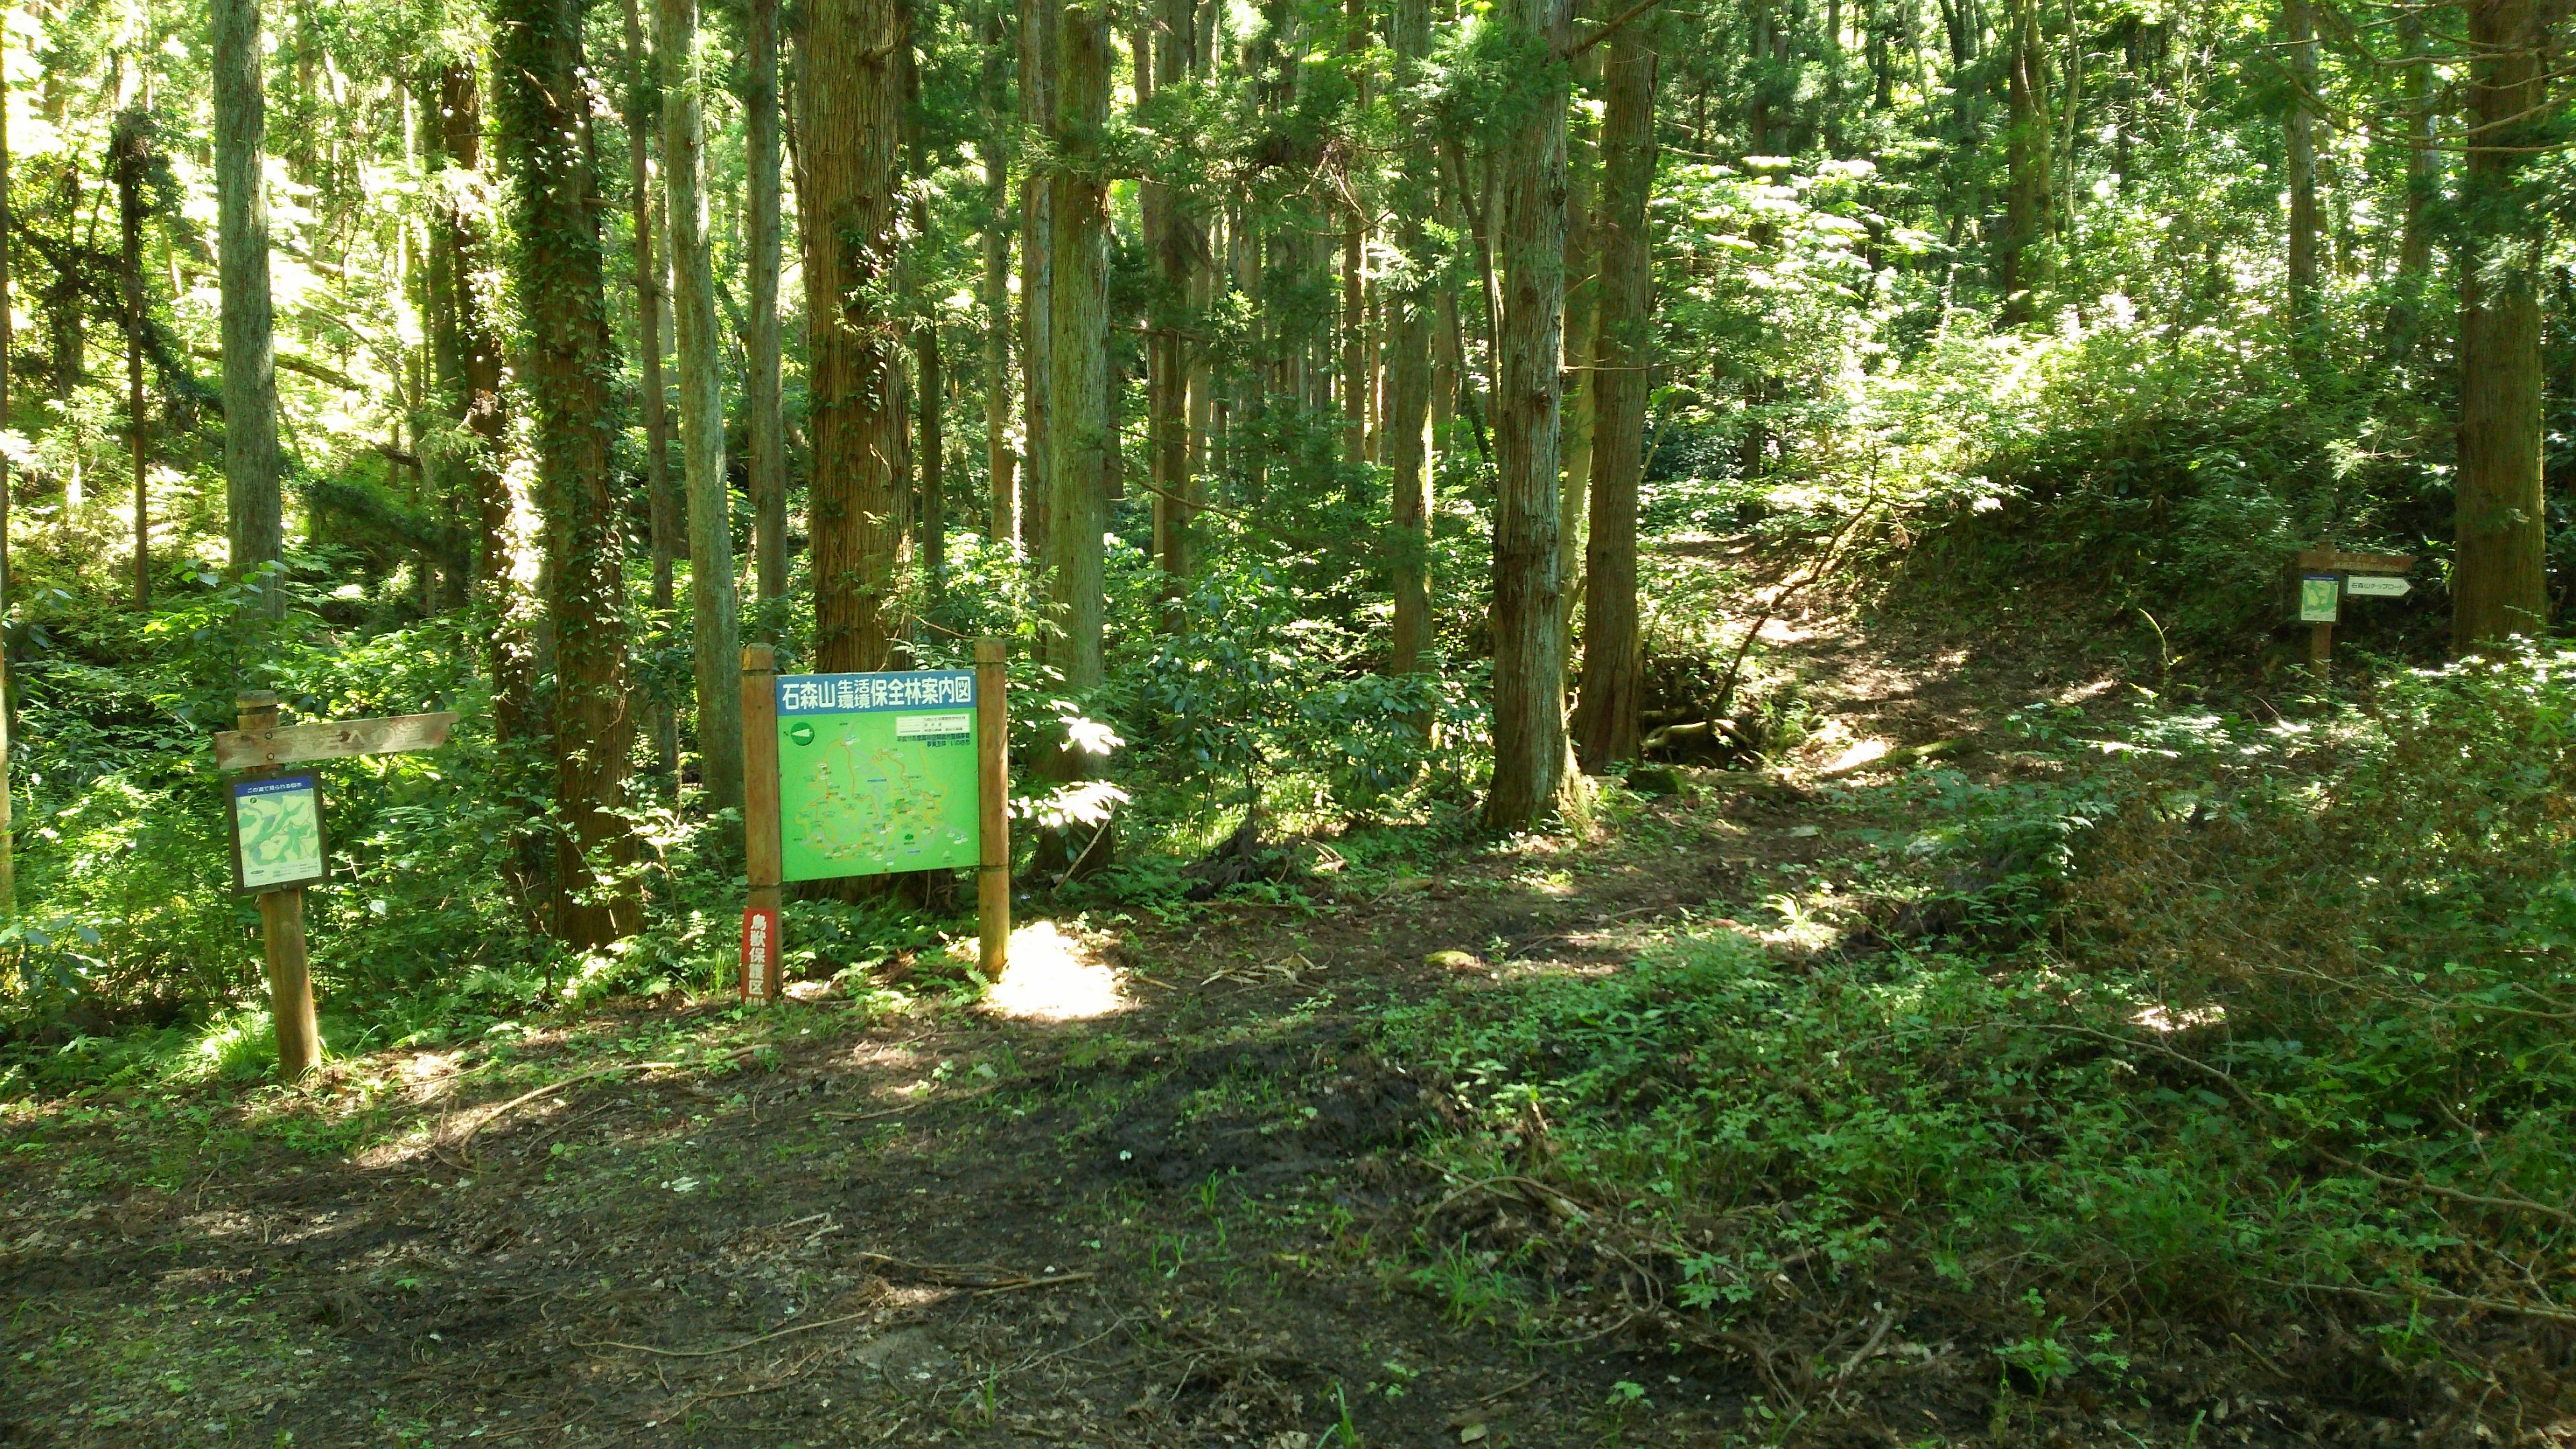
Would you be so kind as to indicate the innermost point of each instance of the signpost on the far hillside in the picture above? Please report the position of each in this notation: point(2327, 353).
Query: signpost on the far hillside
point(277, 838)
point(869, 774)
point(2327, 577)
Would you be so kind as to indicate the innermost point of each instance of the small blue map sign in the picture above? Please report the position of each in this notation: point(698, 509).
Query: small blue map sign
point(277, 833)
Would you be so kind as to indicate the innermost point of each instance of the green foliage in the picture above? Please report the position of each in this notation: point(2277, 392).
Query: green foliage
point(2258, 1011)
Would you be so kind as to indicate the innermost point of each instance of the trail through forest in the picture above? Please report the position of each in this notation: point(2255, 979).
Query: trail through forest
point(1157, 1188)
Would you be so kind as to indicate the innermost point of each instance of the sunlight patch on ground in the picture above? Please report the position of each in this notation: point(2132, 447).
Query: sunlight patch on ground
point(1781, 631)
point(1054, 976)
point(1857, 753)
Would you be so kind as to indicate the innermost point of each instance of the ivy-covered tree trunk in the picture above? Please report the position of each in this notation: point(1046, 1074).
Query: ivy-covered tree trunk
point(1532, 766)
point(2499, 577)
point(252, 506)
point(662, 491)
point(1605, 716)
point(545, 107)
point(851, 102)
point(1409, 319)
point(467, 345)
point(714, 629)
point(764, 424)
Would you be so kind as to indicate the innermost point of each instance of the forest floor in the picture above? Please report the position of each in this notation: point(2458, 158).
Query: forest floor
point(1158, 1188)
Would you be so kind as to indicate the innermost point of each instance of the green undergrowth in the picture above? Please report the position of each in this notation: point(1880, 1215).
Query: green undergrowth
point(2184, 1026)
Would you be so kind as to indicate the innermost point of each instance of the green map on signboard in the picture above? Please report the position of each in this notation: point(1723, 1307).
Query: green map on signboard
point(277, 833)
point(876, 773)
point(2318, 595)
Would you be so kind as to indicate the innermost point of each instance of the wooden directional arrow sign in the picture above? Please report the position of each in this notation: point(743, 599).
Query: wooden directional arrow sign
point(2337, 561)
point(331, 740)
point(2375, 586)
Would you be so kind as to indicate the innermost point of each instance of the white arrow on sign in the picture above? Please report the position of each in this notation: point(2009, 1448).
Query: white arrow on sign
point(2375, 586)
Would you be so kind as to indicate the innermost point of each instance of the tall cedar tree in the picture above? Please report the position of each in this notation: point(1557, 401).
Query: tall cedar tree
point(252, 505)
point(1079, 439)
point(1532, 767)
point(2027, 147)
point(713, 628)
point(1605, 716)
point(2299, 152)
point(764, 423)
point(850, 99)
point(131, 141)
point(992, 145)
point(8, 833)
point(1037, 42)
point(545, 105)
point(2499, 581)
point(1410, 315)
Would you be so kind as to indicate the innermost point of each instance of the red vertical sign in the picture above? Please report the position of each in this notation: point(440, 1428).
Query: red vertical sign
point(760, 953)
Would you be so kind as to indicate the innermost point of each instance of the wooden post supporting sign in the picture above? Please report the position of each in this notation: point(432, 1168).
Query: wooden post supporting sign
point(277, 839)
point(281, 929)
point(993, 768)
point(2328, 576)
point(760, 916)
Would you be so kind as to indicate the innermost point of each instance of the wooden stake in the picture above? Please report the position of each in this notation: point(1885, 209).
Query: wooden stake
point(993, 758)
point(281, 923)
point(2321, 651)
point(761, 922)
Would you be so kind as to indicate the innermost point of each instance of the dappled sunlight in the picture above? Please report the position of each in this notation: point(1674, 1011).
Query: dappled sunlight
point(1054, 976)
point(1858, 753)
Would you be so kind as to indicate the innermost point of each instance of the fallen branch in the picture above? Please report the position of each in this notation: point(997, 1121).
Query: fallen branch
point(900, 1110)
point(1856, 1360)
point(2452, 1194)
point(720, 1352)
point(983, 1278)
point(2429, 1295)
point(1551, 1199)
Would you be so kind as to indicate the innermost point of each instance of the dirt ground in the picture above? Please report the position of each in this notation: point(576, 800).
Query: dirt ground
point(1157, 1190)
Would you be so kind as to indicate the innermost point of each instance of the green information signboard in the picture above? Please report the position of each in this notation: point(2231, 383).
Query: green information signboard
point(876, 773)
point(2319, 594)
point(277, 834)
